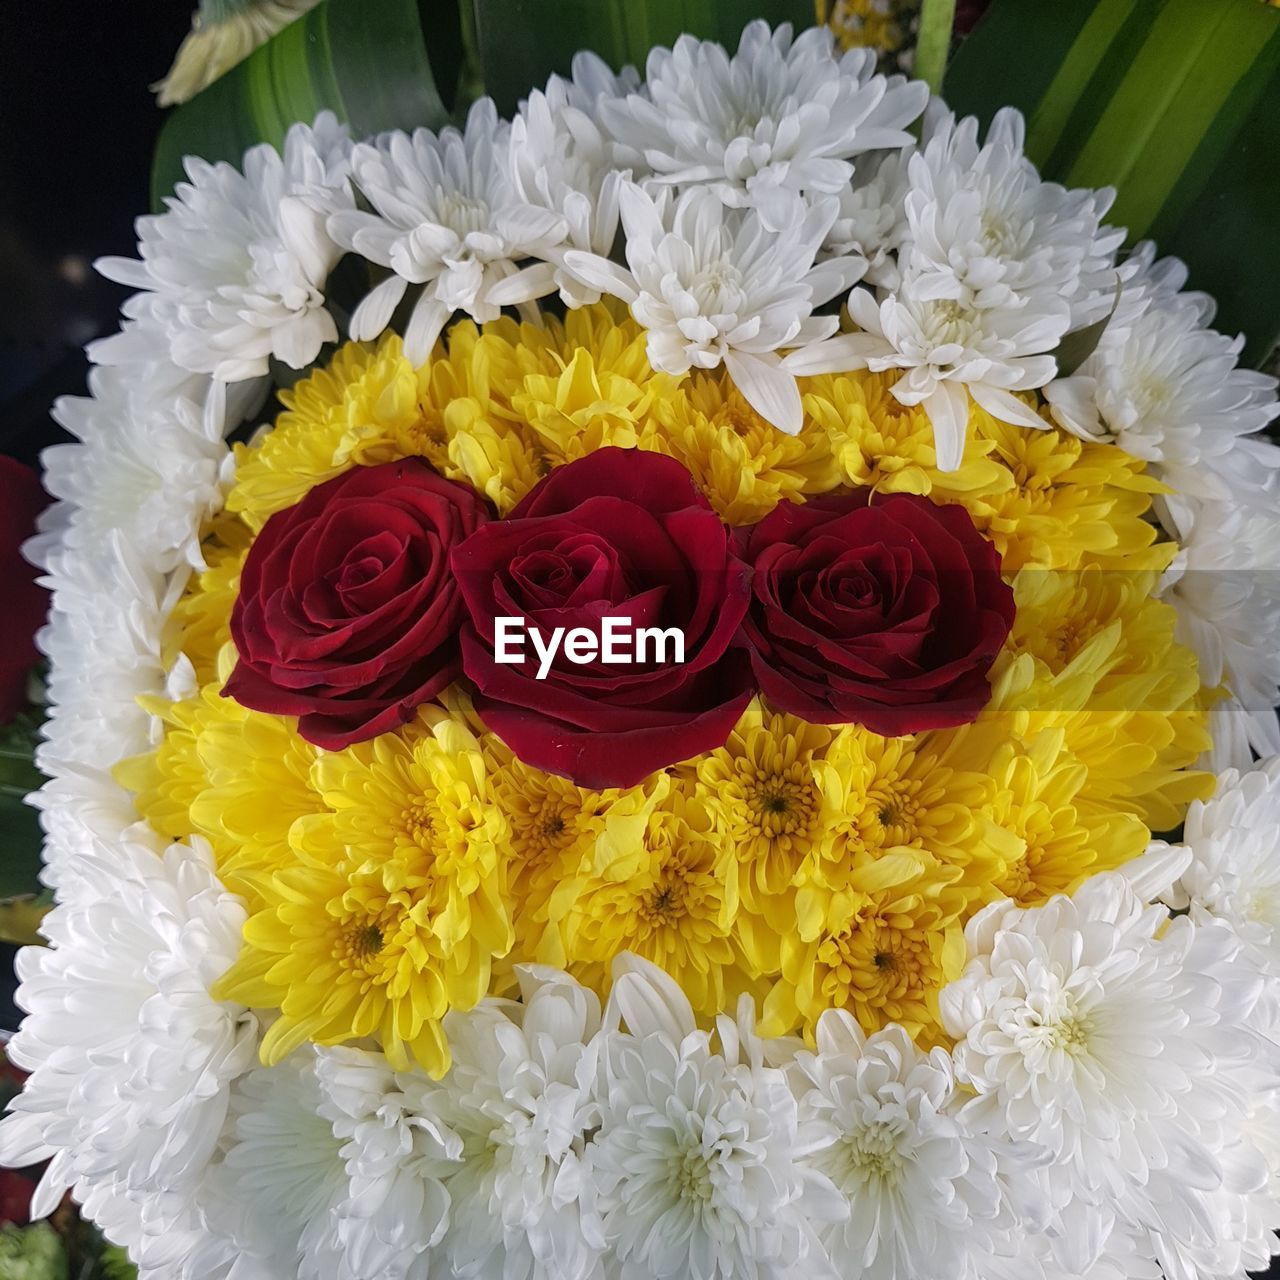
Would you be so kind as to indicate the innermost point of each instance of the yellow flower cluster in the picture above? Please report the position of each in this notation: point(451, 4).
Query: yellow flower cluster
point(809, 866)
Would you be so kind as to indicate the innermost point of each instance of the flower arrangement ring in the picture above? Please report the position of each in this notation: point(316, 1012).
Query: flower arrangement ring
point(841, 939)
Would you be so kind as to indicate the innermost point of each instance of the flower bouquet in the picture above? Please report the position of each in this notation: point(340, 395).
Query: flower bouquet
point(613, 690)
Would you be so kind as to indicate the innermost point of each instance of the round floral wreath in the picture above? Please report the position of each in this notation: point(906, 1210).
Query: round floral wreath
point(863, 883)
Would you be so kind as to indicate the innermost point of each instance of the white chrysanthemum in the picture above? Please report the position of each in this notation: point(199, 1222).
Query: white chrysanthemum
point(926, 1195)
point(1225, 586)
point(981, 224)
point(872, 222)
point(275, 1192)
point(563, 161)
point(103, 645)
point(950, 348)
point(131, 1056)
point(445, 217)
point(519, 1095)
point(1225, 1225)
point(768, 126)
point(396, 1147)
point(81, 808)
point(993, 268)
point(153, 464)
point(1165, 387)
point(233, 273)
point(1234, 873)
point(713, 286)
point(694, 1164)
point(1098, 1029)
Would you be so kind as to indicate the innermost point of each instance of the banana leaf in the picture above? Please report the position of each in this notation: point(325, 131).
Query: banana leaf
point(1176, 103)
point(521, 42)
point(378, 64)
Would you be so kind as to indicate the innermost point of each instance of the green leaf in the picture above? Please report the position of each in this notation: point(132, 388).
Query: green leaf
point(20, 841)
point(368, 61)
point(1176, 103)
point(1076, 347)
point(522, 42)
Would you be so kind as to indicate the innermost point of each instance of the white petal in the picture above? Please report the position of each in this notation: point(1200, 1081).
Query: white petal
point(427, 322)
point(948, 410)
point(599, 273)
point(1005, 406)
point(836, 355)
point(768, 388)
point(373, 314)
point(535, 281)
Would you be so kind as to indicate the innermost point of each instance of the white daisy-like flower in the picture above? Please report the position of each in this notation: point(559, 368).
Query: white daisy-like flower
point(153, 464)
point(82, 808)
point(1166, 388)
point(1225, 586)
point(103, 644)
point(275, 1193)
point(926, 1194)
point(131, 1057)
point(233, 273)
point(993, 268)
point(519, 1095)
point(712, 285)
point(951, 348)
point(564, 161)
point(446, 217)
point(396, 1147)
point(769, 126)
point(871, 224)
point(982, 224)
point(694, 1163)
point(1098, 1029)
point(1234, 873)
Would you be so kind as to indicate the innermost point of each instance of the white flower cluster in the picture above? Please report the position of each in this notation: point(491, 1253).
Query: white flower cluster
point(1113, 1101)
point(1112, 1106)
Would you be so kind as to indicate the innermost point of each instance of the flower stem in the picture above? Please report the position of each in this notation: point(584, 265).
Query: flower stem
point(937, 17)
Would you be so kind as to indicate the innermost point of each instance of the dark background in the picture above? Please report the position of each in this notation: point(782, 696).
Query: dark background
point(77, 126)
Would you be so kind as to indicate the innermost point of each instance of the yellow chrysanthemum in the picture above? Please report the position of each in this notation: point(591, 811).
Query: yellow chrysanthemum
point(743, 464)
point(166, 782)
point(1059, 840)
point(257, 783)
point(763, 789)
point(1093, 653)
point(554, 826)
point(824, 867)
point(199, 624)
point(883, 950)
point(363, 385)
point(881, 444)
point(926, 793)
point(395, 906)
point(1071, 502)
point(881, 25)
point(657, 887)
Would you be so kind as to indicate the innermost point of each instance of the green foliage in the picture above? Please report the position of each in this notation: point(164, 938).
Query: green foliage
point(378, 64)
point(1176, 103)
point(20, 836)
point(522, 42)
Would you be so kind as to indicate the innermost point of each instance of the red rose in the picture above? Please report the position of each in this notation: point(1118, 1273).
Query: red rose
point(618, 534)
point(347, 615)
point(25, 604)
point(885, 613)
